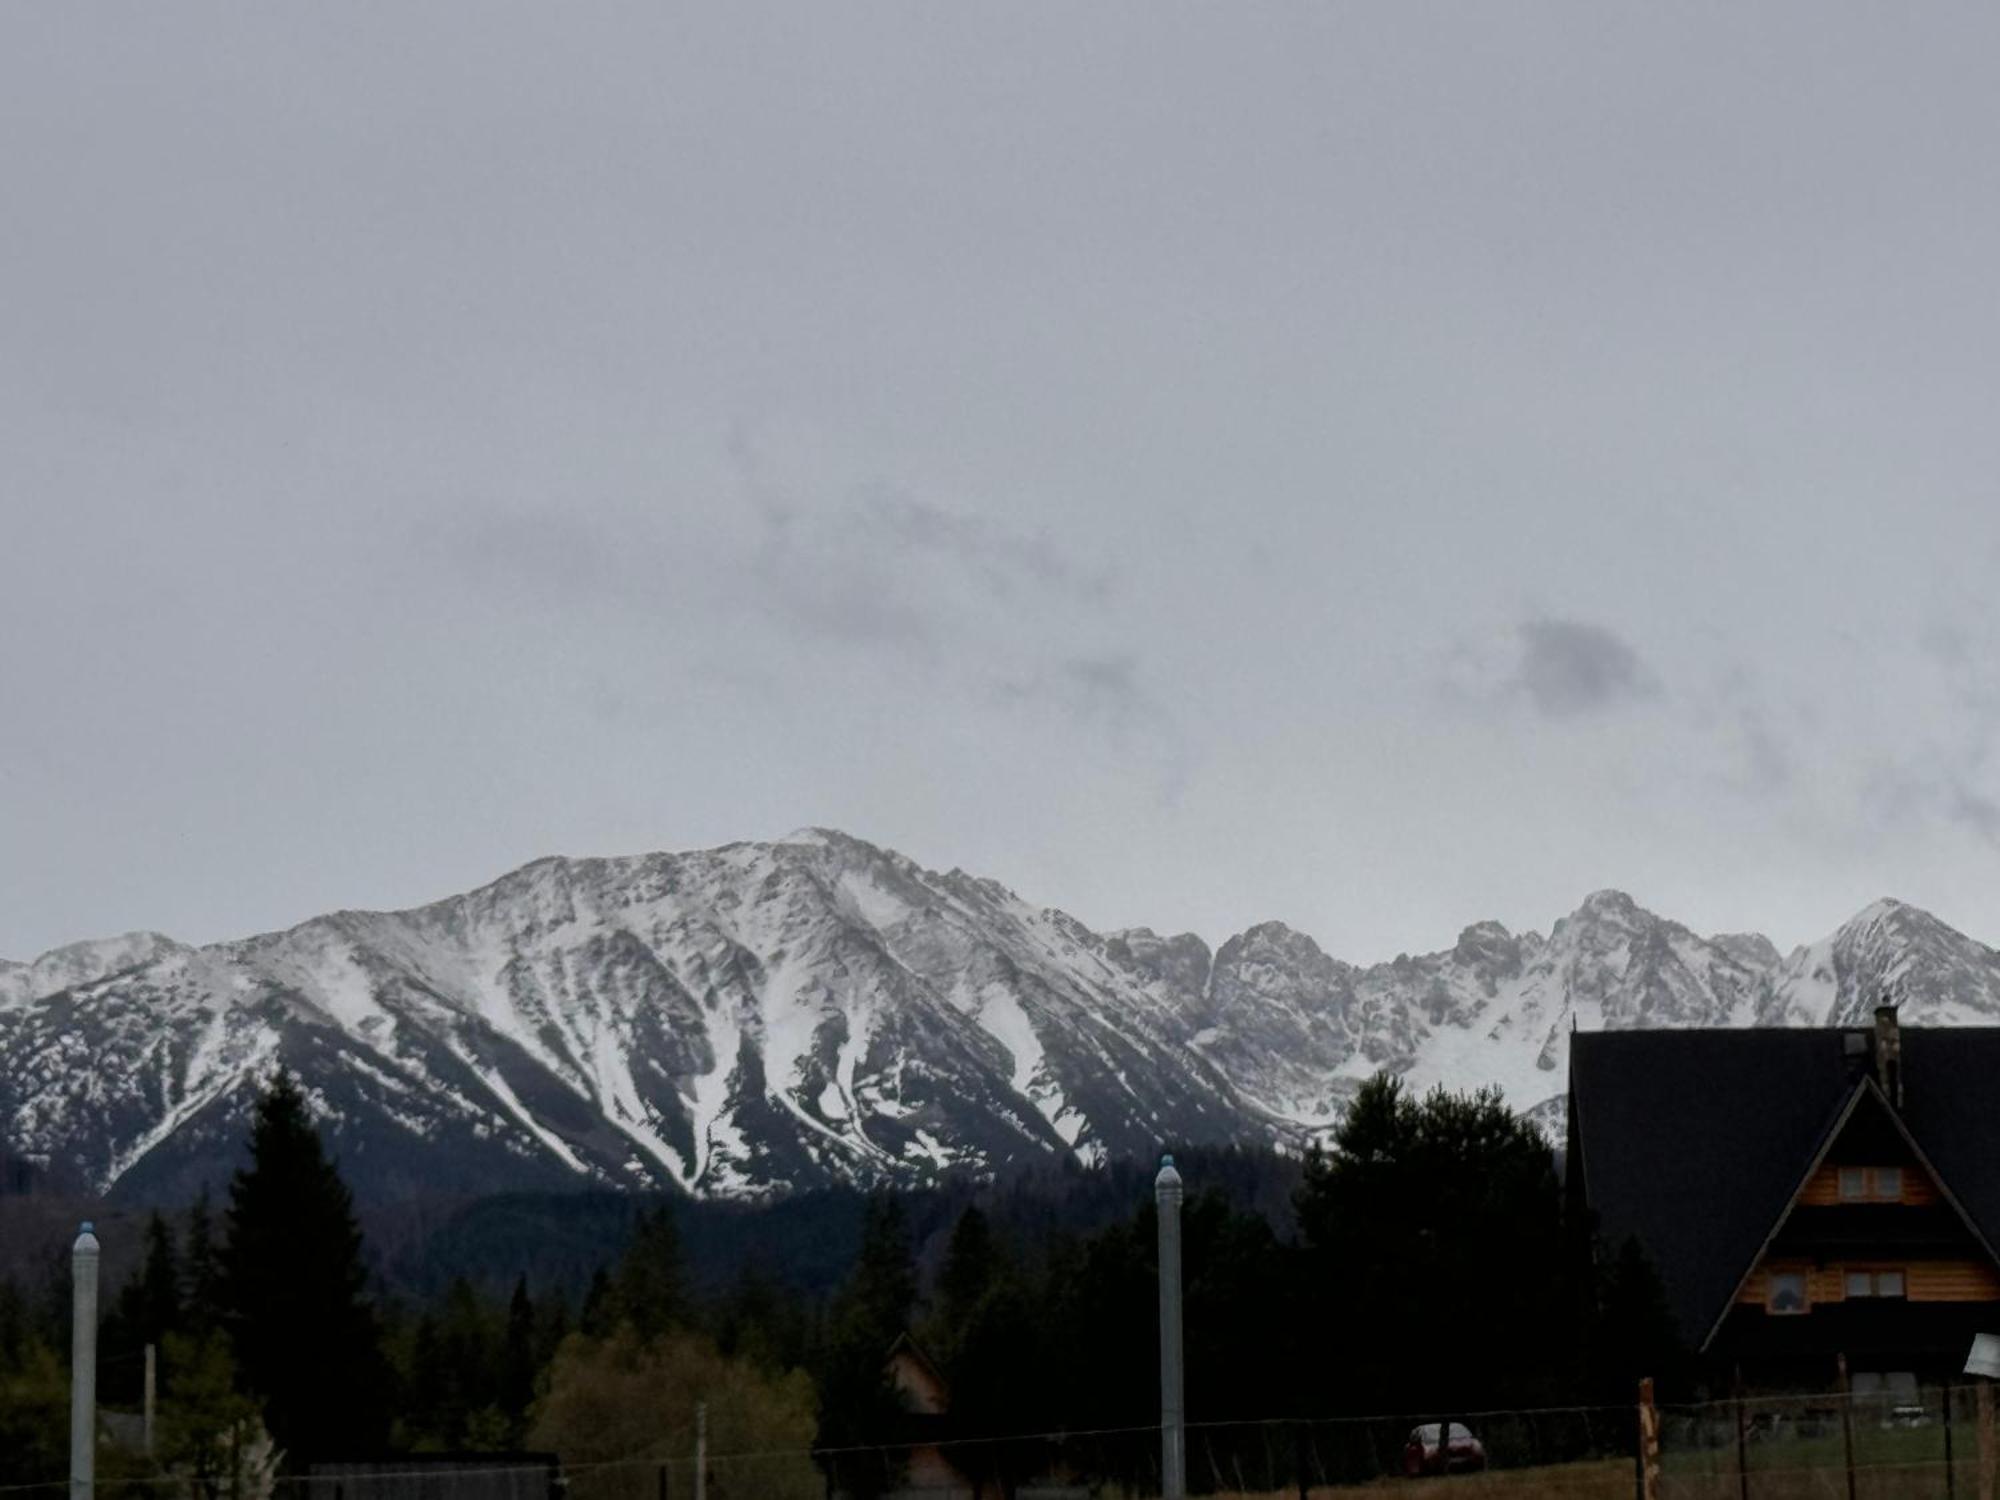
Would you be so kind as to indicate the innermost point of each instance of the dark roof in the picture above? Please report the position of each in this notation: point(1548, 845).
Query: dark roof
point(1951, 1102)
point(1695, 1142)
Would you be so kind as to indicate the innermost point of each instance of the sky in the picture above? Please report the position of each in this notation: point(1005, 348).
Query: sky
point(1375, 467)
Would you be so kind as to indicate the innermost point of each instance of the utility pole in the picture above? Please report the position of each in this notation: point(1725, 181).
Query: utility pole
point(1173, 1435)
point(83, 1365)
point(701, 1450)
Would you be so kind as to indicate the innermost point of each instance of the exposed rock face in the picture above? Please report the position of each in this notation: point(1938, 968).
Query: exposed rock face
point(761, 1017)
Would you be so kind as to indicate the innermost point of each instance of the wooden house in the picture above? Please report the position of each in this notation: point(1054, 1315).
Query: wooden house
point(1807, 1197)
point(928, 1470)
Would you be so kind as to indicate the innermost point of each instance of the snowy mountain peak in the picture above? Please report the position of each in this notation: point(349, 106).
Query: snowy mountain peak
point(754, 1018)
point(1751, 949)
point(82, 963)
point(1891, 950)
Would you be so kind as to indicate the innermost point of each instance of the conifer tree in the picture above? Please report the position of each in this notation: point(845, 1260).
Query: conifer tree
point(146, 1309)
point(970, 1264)
point(517, 1357)
point(201, 1270)
point(599, 1316)
point(649, 1290)
point(305, 1337)
point(1436, 1223)
point(159, 1282)
point(858, 1405)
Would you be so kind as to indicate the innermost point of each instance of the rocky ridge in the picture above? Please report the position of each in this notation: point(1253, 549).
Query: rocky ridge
point(762, 1017)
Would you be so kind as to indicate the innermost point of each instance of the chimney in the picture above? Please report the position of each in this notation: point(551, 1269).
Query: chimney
point(1889, 1052)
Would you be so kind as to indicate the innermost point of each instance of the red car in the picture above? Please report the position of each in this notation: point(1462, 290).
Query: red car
point(1462, 1454)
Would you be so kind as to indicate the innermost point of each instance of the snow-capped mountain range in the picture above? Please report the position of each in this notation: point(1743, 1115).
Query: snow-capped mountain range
point(750, 1019)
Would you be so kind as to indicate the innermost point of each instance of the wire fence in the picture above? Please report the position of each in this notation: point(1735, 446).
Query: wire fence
point(1923, 1442)
point(1911, 1445)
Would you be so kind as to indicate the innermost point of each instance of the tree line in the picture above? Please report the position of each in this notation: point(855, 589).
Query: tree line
point(1422, 1264)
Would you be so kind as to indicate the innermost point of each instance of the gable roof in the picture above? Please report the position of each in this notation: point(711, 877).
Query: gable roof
point(906, 1354)
point(1696, 1142)
point(1866, 1094)
point(1951, 1102)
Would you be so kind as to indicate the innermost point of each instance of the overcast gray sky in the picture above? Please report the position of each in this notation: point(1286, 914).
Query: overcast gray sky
point(1374, 466)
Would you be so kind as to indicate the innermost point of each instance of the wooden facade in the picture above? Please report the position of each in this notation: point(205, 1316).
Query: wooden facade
point(1915, 1188)
point(1811, 1199)
point(1927, 1281)
point(1871, 1260)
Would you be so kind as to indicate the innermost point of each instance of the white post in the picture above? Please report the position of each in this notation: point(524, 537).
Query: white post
point(701, 1450)
point(1173, 1436)
point(83, 1365)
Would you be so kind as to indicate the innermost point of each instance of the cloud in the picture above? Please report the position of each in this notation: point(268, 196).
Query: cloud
point(1103, 689)
point(556, 557)
point(879, 564)
point(1571, 667)
point(1002, 561)
point(1108, 691)
point(1972, 809)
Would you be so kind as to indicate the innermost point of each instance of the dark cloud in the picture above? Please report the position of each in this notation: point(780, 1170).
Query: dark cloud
point(1109, 692)
point(1572, 667)
point(881, 564)
point(1004, 562)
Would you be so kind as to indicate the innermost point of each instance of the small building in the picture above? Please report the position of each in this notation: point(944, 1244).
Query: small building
point(928, 1470)
point(1807, 1197)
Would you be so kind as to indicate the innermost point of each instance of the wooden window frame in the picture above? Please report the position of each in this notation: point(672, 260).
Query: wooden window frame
point(1874, 1274)
point(1771, 1275)
point(1873, 1184)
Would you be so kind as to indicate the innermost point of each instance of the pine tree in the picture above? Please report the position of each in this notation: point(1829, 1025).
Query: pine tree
point(159, 1283)
point(599, 1317)
point(201, 1270)
point(146, 1309)
point(858, 1405)
point(971, 1262)
point(1437, 1223)
point(649, 1290)
point(875, 1304)
point(1635, 1333)
point(517, 1357)
point(305, 1337)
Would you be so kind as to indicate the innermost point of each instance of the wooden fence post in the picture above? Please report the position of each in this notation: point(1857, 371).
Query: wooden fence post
point(1742, 1445)
point(1846, 1422)
point(1950, 1478)
point(1649, 1442)
point(1986, 1455)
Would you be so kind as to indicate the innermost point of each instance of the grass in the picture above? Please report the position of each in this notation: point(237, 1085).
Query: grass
point(1889, 1465)
point(1605, 1479)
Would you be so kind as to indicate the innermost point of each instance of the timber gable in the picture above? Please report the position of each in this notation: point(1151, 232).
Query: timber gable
point(1796, 1211)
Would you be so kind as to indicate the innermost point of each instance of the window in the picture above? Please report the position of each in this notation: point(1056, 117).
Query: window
point(1871, 1184)
point(1785, 1292)
point(1873, 1283)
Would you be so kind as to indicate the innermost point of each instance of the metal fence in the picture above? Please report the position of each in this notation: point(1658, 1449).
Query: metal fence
point(1935, 1443)
point(1927, 1442)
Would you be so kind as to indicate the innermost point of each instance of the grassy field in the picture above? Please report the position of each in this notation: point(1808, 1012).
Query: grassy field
point(1912, 1469)
point(1605, 1480)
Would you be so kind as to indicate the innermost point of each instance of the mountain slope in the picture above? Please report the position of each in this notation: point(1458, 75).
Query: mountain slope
point(759, 1017)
